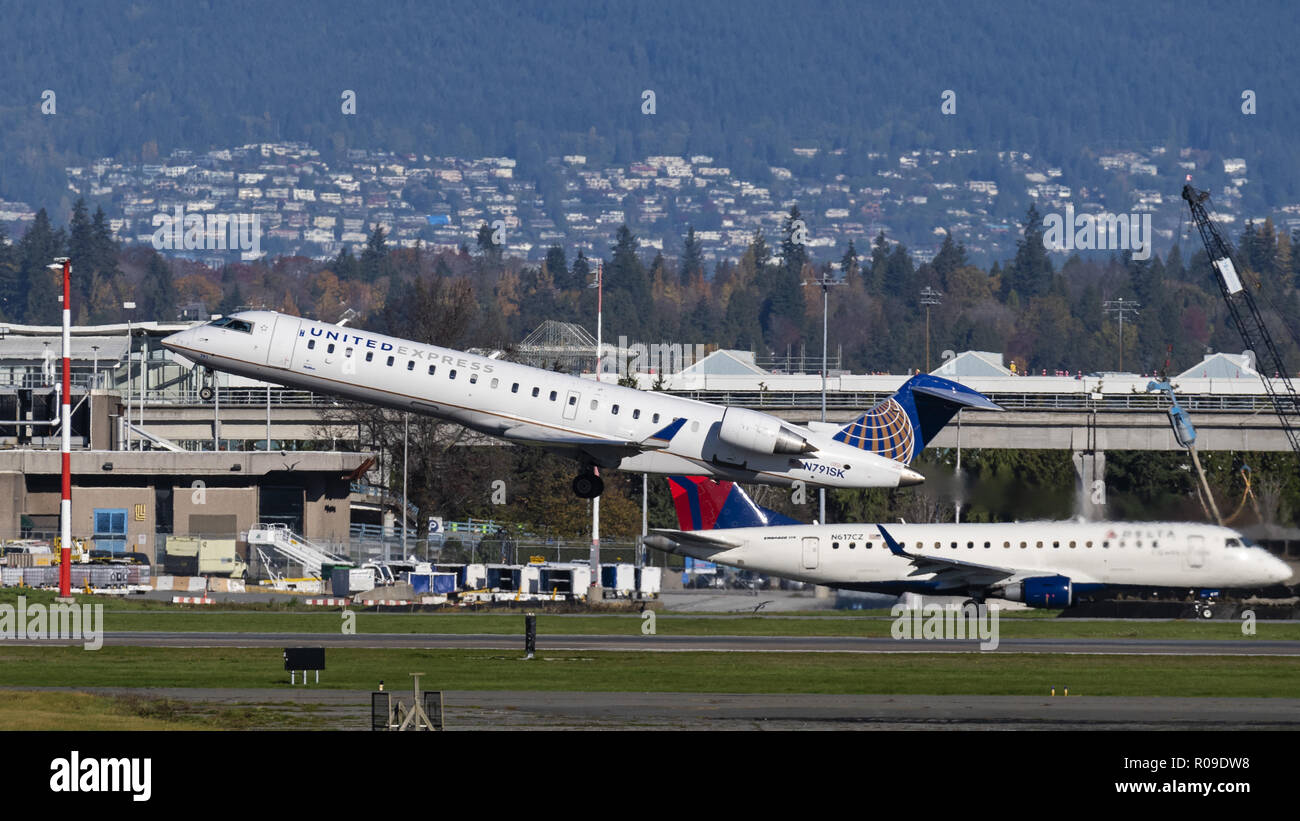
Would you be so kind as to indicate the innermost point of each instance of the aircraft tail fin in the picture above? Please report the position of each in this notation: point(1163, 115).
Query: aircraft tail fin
point(901, 426)
point(705, 504)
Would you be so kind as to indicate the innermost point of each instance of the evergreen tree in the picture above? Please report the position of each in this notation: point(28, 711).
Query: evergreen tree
point(558, 267)
point(1029, 274)
point(346, 267)
point(157, 289)
point(849, 262)
point(11, 295)
point(692, 257)
point(951, 256)
point(580, 276)
point(374, 259)
point(42, 287)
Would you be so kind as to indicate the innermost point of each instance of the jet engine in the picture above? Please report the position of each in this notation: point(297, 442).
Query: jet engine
point(1041, 591)
point(760, 433)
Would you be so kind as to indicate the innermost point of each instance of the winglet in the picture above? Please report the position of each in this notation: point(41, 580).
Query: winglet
point(894, 546)
point(661, 438)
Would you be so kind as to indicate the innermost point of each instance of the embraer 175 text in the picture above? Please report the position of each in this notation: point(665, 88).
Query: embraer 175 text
point(1043, 564)
point(599, 424)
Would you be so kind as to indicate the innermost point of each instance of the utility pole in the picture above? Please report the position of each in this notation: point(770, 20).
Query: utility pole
point(825, 282)
point(929, 296)
point(1118, 308)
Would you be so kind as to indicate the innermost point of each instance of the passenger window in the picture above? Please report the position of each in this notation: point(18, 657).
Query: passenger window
point(954, 545)
point(347, 352)
point(554, 395)
point(432, 368)
point(655, 419)
point(593, 404)
point(311, 344)
point(410, 364)
point(936, 545)
point(536, 392)
point(1072, 545)
point(870, 545)
point(1023, 545)
point(370, 356)
point(329, 348)
point(494, 383)
point(514, 388)
point(614, 410)
point(1040, 544)
point(636, 414)
point(1006, 544)
point(451, 374)
point(473, 379)
point(987, 545)
point(970, 545)
point(390, 361)
point(573, 400)
point(835, 545)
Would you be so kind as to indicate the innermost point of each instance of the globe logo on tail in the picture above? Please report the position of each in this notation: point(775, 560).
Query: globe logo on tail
point(885, 429)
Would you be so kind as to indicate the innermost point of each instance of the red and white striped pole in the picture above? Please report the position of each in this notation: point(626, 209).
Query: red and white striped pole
point(65, 417)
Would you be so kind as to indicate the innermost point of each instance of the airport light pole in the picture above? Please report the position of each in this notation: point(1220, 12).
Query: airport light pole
point(825, 282)
point(595, 502)
point(130, 382)
point(406, 445)
point(929, 297)
point(65, 423)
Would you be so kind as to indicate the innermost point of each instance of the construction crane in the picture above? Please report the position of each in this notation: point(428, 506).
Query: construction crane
point(1246, 316)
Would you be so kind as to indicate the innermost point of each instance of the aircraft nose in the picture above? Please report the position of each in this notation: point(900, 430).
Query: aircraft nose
point(908, 477)
point(176, 339)
point(1279, 571)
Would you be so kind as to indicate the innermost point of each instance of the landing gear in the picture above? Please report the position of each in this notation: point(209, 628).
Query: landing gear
point(588, 485)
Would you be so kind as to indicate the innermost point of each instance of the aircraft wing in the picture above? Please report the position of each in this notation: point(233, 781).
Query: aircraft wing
point(950, 573)
point(551, 438)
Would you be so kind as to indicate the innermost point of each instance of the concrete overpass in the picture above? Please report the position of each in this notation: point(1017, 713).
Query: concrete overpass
point(1031, 421)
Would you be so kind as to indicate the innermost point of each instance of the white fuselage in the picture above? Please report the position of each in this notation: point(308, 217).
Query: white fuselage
point(499, 398)
point(1111, 554)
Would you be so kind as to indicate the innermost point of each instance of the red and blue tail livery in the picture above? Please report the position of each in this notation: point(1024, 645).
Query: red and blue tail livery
point(703, 504)
point(900, 427)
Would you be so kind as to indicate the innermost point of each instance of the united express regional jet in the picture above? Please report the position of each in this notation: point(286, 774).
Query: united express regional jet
point(1043, 564)
point(598, 424)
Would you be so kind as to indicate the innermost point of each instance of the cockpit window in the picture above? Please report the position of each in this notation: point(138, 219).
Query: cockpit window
point(233, 324)
point(1231, 543)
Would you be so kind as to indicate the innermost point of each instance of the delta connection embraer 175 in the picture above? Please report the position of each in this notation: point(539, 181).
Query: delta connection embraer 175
point(1043, 564)
point(599, 424)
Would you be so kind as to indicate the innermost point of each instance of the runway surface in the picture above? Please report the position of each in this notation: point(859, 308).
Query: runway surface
point(670, 643)
point(566, 710)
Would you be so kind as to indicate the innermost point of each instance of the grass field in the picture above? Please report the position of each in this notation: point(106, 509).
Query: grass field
point(24, 710)
point(940, 673)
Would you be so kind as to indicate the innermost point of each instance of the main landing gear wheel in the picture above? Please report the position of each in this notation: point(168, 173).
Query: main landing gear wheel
point(588, 486)
point(206, 393)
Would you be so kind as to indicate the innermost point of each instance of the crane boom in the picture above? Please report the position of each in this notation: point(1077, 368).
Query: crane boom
point(1246, 316)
